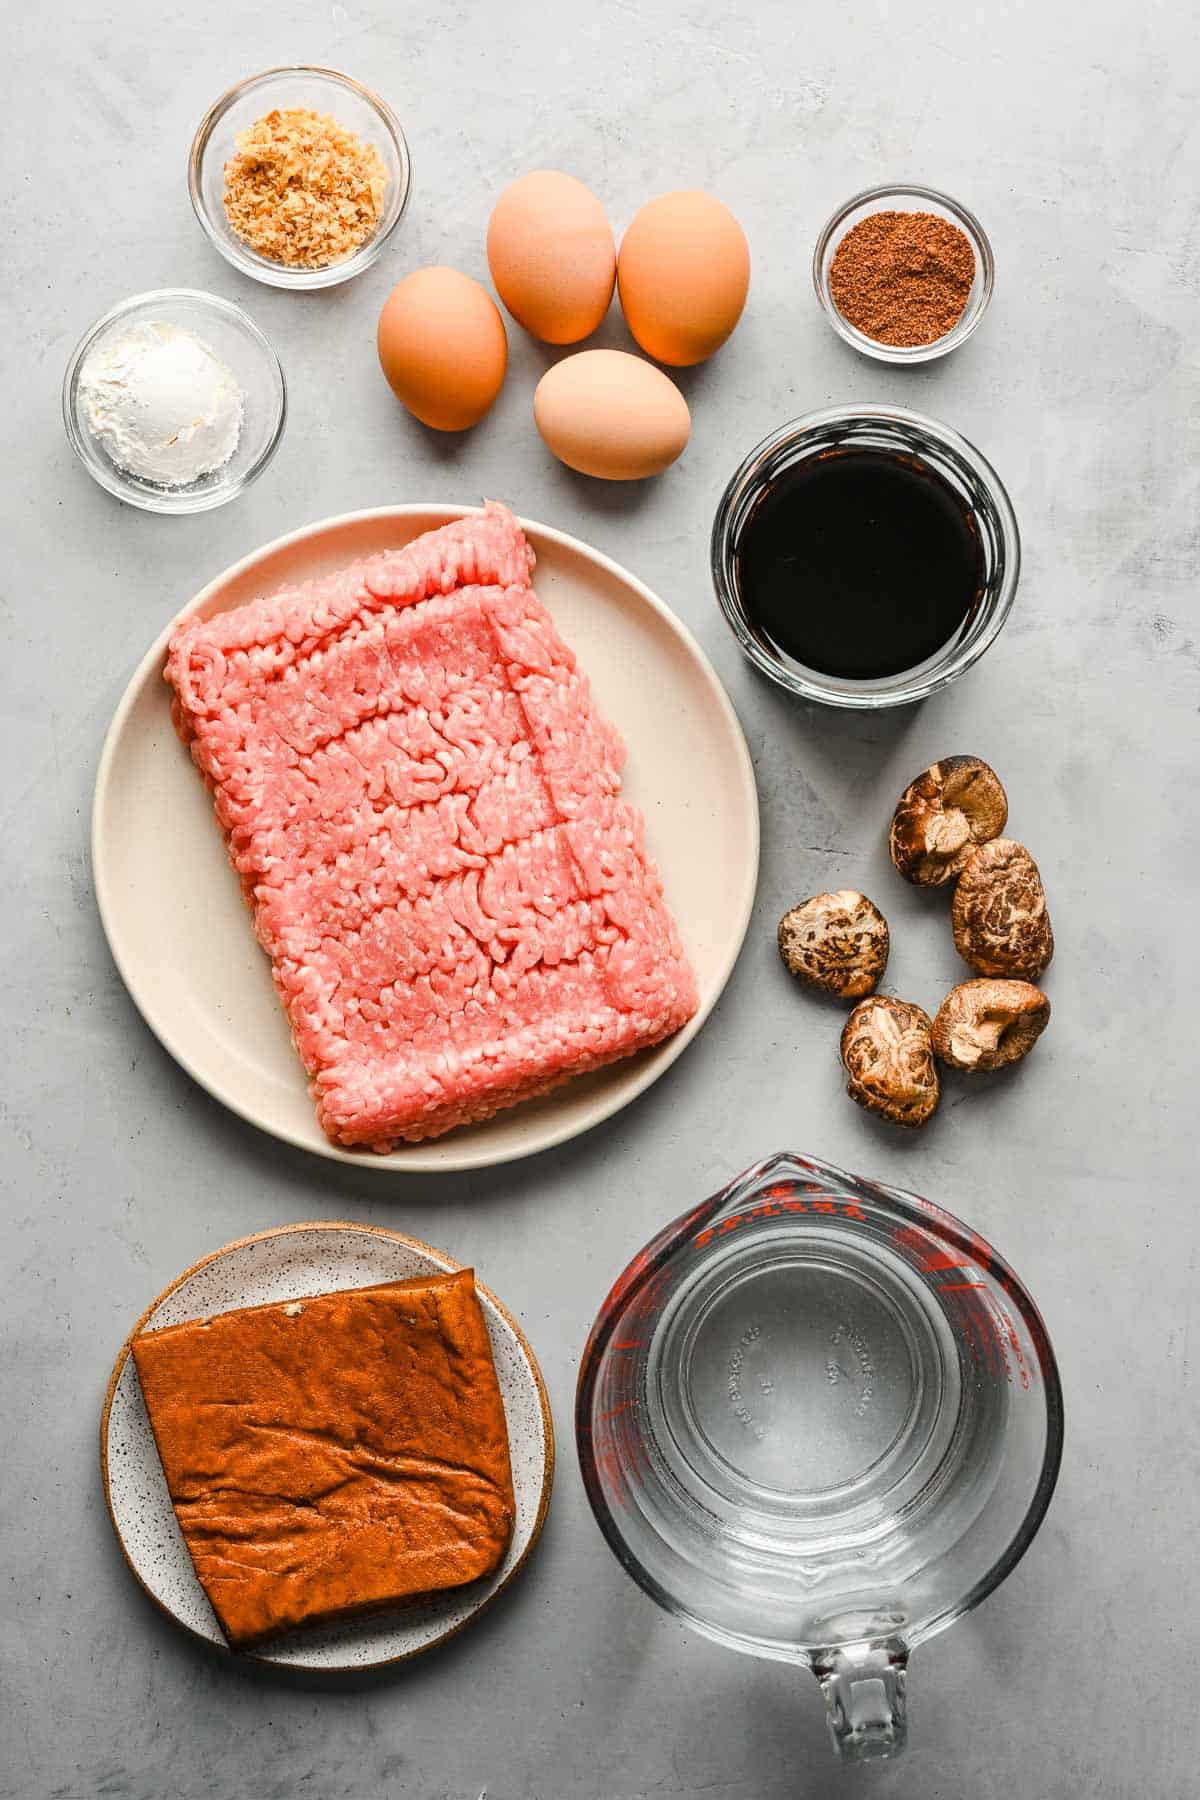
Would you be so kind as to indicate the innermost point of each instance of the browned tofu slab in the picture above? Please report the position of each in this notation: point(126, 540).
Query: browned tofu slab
point(332, 1456)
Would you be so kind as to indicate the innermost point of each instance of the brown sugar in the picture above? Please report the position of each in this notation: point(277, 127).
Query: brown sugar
point(903, 278)
point(303, 190)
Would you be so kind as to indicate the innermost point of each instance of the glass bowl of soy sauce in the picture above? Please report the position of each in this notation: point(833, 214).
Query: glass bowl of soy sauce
point(865, 556)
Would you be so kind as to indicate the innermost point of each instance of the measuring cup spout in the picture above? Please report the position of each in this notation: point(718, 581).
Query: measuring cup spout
point(865, 1698)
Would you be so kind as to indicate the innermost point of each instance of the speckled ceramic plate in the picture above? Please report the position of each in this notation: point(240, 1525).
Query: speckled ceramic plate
point(173, 910)
point(289, 1264)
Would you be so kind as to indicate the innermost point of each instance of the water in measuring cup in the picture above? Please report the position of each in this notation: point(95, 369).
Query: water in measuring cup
point(807, 1398)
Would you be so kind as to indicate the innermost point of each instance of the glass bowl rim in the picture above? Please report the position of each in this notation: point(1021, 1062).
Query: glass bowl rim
point(280, 275)
point(182, 500)
point(973, 313)
point(812, 687)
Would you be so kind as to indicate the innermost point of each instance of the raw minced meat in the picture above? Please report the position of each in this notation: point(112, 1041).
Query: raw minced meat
point(424, 809)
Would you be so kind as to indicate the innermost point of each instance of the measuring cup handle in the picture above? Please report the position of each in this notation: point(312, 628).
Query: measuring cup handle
point(864, 1687)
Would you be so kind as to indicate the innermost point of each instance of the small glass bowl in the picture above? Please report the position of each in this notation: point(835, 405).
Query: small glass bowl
point(233, 336)
point(318, 90)
point(918, 439)
point(905, 199)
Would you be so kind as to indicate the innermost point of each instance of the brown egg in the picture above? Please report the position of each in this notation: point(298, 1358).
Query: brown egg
point(683, 275)
point(551, 252)
point(443, 347)
point(610, 414)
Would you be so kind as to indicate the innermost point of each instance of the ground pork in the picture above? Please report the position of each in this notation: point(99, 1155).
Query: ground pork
point(424, 810)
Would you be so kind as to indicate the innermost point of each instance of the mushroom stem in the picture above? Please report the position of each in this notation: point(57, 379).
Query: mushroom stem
point(946, 833)
point(971, 1042)
point(987, 1024)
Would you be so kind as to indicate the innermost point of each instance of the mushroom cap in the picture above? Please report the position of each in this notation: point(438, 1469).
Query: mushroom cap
point(887, 1052)
point(987, 1024)
point(999, 915)
point(836, 942)
point(943, 816)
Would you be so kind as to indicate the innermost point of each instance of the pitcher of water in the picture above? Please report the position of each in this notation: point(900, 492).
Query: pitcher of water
point(819, 1419)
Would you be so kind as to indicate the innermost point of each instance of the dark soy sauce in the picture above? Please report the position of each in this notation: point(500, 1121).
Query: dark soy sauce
point(859, 564)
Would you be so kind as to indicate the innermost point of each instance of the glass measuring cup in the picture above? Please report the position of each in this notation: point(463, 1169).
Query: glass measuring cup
point(819, 1419)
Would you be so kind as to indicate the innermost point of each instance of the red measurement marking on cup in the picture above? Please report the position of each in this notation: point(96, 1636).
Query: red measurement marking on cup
point(987, 1327)
point(1007, 1332)
point(614, 1412)
point(981, 1250)
point(985, 1352)
point(944, 1259)
point(786, 1204)
point(979, 1326)
point(930, 1257)
point(1001, 1344)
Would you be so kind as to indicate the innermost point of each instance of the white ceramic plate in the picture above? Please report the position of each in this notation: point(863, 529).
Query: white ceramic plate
point(173, 910)
point(288, 1264)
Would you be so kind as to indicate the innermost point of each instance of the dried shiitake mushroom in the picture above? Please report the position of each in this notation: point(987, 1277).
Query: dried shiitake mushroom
point(887, 1051)
point(942, 816)
point(987, 1024)
point(1001, 925)
point(837, 942)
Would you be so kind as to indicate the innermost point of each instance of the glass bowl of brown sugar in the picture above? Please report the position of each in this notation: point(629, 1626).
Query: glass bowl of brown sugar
point(904, 273)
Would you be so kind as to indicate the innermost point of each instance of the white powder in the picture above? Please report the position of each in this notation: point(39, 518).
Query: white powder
point(161, 403)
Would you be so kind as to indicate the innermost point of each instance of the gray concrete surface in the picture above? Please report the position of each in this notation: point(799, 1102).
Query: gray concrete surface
point(1073, 131)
